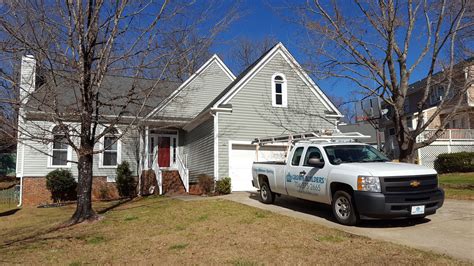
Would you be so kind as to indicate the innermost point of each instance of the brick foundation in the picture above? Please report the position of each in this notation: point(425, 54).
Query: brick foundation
point(172, 184)
point(195, 189)
point(35, 191)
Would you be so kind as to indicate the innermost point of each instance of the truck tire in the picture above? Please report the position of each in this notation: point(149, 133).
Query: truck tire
point(266, 194)
point(343, 208)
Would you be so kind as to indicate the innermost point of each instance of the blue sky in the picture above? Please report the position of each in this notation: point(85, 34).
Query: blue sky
point(260, 20)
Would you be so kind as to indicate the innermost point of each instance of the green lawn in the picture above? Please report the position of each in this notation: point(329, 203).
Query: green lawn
point(458, 185)
point(215, 231)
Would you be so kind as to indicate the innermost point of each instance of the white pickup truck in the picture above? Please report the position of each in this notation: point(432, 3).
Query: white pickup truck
point(356, 179)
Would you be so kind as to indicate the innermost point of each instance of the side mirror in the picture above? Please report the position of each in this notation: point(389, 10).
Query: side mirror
point(315, 162)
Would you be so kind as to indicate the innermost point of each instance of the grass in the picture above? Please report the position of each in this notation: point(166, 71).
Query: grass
point(458, 185)
point(170, 231)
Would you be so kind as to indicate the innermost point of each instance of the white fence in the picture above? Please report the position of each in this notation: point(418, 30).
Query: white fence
point(450, 141)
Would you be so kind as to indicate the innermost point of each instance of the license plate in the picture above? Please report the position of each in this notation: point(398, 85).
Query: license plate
point(417, 210)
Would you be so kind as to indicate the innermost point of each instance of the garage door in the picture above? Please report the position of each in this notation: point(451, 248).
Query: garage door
point(240, 163)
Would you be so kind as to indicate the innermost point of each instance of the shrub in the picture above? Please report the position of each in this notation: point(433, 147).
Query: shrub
point(223, 186)
point(207, 183)
point(125, 182)
point(62, 185)
point(455, 162)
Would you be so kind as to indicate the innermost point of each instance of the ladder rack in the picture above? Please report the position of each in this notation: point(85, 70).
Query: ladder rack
point(315, 136)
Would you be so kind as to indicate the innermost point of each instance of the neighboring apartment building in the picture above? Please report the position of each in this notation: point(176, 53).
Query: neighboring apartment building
point(461, 123)
point(204, 126)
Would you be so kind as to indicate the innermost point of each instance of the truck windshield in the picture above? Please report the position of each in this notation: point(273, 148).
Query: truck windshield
point(338, 154)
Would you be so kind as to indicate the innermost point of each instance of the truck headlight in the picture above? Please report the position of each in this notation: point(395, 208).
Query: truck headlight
point(368, 183)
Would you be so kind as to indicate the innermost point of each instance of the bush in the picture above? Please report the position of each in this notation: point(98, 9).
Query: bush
point(125, 182)
point(455, 162)
point(223, 186)
point(206, 183)
point(62, 185)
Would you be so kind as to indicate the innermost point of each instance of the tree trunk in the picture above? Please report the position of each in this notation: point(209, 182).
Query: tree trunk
point(84, 209)
point(407, 153)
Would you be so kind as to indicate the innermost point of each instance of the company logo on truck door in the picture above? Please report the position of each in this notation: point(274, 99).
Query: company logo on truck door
point(306, 184)
point(300, 178)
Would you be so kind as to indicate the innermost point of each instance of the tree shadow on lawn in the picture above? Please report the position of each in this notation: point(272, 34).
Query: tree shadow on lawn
point(324, 211)
point(9, 212)
point(41, 234)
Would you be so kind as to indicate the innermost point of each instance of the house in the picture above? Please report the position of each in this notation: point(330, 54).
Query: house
point(203, 127)
point(460, 125)
point(364, 127)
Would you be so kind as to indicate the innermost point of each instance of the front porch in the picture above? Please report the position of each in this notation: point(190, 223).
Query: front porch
point(161, 152)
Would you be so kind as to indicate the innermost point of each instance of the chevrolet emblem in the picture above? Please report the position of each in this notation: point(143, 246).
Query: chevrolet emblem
point(415, 183)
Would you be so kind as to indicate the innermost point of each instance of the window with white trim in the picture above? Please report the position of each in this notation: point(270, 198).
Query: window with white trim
point(60, 148)
point(279, 91)
point(110, 154)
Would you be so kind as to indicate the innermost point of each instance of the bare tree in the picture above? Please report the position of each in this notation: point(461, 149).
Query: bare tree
point(79, 46)
point(378, 45)
point(245, 51)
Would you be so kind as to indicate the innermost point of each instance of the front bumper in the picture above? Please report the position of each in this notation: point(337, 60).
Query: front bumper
point(378, 205)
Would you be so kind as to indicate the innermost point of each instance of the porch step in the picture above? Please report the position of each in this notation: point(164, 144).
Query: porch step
point(172, 184)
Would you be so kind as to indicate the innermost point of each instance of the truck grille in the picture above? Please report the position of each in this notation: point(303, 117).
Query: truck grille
point(409, 184)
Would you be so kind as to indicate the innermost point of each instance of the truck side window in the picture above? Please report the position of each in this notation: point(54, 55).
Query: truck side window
point(312, 152)
point(295, 161)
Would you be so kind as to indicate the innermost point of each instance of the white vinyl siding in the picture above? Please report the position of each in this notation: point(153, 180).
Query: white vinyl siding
point(36, 161)
point(197, 94)
point(199, 148)
point(254, 116)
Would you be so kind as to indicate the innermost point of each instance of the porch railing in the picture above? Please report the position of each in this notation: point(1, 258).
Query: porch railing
point(449, 134)
point(156, 169)
point(183, 171)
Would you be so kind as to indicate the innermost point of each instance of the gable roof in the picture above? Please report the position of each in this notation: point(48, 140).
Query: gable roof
point(215, 58)
point(228, 93)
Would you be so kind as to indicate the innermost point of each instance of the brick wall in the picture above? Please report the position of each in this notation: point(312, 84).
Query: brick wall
point(195, 189)
point(172, 183)
point(35, 191)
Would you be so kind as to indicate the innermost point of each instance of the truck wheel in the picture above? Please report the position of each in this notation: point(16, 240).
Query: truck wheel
point(343, 208)
point(266, 194)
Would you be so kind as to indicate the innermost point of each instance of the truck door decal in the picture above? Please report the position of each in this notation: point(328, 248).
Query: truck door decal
point(306, 184)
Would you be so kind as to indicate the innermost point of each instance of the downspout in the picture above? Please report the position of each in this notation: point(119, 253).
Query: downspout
point(20, 200)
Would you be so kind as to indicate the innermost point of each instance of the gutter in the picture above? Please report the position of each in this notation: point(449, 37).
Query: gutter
point(204, 115)
point(337, 116)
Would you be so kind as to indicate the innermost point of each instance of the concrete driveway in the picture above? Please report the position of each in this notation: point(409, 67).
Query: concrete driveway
point(450, 231)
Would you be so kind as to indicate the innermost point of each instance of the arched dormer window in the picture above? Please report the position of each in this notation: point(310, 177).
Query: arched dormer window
point(110, 157)
point(279, 91)
point(60, 150)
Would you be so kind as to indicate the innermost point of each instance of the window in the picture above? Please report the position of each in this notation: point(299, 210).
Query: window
point(295, 161)
point(406, 105)
point(279, 91)
point(111, 148)
point(410, 122)
point(312, 152)
point(436, 95)
point(60, 148)
point(354, 154)
point(391, 131)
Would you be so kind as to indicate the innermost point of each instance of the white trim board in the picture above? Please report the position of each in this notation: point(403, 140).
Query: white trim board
point(279, 49)
point(216, 146)
point(204, 67)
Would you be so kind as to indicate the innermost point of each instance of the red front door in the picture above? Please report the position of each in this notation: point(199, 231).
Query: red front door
point(164, 151)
